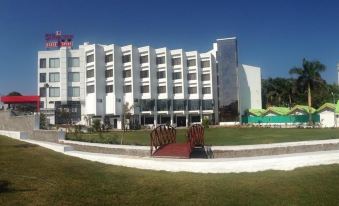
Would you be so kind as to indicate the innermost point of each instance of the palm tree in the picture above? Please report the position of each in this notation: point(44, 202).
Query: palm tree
point(308, 77)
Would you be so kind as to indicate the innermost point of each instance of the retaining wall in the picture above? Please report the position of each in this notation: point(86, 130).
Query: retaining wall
point(24, 123)
point(14, 134)
point(47, 135)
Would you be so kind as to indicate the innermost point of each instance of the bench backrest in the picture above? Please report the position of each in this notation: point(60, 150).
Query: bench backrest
point(195, 135)
point(162, 135)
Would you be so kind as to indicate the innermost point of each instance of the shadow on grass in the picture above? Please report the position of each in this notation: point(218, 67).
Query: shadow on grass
point(7, 187)
point(24, 145)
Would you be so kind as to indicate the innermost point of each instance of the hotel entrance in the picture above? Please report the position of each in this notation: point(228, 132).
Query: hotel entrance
point(181, 121)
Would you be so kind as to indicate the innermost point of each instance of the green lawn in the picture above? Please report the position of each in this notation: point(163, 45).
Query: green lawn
point(31, 175)
point(218, 136)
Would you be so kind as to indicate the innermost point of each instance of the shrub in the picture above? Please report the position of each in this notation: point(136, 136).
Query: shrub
point(96, 125)
point(77, 130)
point(206, 122)
point(43, 121)
point(90, 130)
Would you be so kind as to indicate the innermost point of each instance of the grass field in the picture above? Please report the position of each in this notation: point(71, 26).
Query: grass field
point(31, 175)
point(218, 136)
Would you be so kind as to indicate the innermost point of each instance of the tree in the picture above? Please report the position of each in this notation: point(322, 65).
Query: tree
point(278, 92)
point(14, 93)
point(43, 121)
point(126, 116)
point(308, 77)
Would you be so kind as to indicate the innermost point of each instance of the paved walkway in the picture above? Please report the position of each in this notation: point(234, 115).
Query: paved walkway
point(220, 165)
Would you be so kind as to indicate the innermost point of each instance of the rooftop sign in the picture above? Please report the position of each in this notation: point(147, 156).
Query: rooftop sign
point(58, 40)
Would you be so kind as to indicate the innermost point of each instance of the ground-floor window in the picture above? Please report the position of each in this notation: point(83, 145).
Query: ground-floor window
point(67, 113)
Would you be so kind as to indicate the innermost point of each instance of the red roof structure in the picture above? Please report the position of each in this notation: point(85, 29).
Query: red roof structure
point(21, 99)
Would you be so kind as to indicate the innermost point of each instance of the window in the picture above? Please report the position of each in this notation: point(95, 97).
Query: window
point(126, 73)
point(191, 62)
point(176, 75)
point(90, 58)
point(127, 89)
point(179, 104)
point(54, 63)
point(160, 60)
point(54, 92)
point(42, 77)
point(147, 104)
point(109, 73)
point(126, 58)
point(108, 58)
point(144, 74)
point(73, 76)
point(205, 64)
point(109, 88)
point(194, 104)
point(90, 73)
point(207, 104)
point(191, 76)
point(205, 77)
point(42, 63)
point(54, 77)
point(74, 91)
point(143, 59)
point(73, 62)
point(42, 92)
point(192, 90)
point(206, 90)
point(161, 74)
point(176, 61)
point(144, 89)
point(162, 104)
point(161, 89)
point(90, 89)
point(177, 89)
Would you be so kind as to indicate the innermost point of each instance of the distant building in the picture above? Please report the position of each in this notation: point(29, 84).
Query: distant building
point(163, 86)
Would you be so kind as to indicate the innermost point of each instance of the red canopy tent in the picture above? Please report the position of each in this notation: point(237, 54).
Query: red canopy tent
point(21, 99)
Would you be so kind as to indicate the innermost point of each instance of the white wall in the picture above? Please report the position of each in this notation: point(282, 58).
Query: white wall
point(327, 118)
point(249, 87)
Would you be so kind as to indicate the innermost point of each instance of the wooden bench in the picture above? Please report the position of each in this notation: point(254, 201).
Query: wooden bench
point(195, 134)
point(163, 142)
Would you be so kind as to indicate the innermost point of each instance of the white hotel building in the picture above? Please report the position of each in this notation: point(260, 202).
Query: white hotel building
point(163, 86)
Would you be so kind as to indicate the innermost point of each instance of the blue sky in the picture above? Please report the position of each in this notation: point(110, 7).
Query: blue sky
point(274, 35)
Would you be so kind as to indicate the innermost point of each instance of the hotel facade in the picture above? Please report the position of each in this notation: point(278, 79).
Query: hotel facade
point(159, 86)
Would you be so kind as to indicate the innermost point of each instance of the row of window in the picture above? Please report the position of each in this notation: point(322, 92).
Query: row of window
point(55, 77)
point(55, 91)
point(145, 89)
point(55, 62)
point(75, 61)
point(190, 90)
point(175, 104)
point(75, 91)
point(144, 59)
point(145, 74)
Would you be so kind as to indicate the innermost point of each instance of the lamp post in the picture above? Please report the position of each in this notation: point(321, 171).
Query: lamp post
point(46, 86)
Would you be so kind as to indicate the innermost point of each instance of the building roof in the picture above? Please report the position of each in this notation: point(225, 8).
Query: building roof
point(256, 112)
point(302, 108)
point(327, 105)
point(278, 110)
